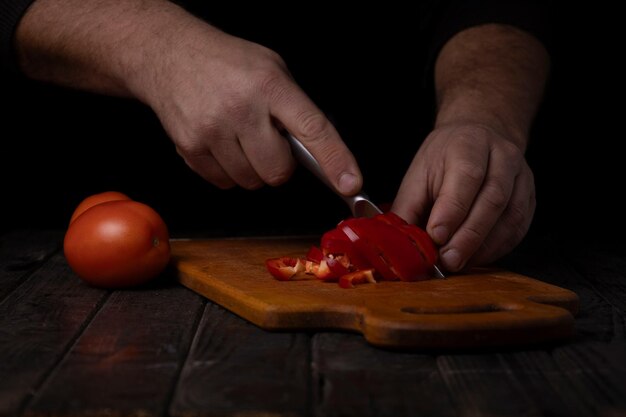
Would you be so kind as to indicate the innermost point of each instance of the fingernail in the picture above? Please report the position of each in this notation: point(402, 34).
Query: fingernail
point(347, 183)
point(440, 235)
point(451, 260)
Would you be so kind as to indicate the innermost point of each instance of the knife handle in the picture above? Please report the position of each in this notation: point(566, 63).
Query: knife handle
point(305, 158)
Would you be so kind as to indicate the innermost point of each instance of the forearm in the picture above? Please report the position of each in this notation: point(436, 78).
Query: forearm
point(491, 75)
point(106, 46)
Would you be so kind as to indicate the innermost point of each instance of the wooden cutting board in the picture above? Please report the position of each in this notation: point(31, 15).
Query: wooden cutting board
point(485, 308)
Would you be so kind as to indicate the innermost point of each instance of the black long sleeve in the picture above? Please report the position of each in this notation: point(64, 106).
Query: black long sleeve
point(11, 11)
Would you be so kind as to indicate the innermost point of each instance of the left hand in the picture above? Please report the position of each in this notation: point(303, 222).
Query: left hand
point(473, 189)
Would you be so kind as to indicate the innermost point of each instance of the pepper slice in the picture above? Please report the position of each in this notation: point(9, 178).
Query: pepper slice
point(284, 268)
point(359, 250)
point(363, 276)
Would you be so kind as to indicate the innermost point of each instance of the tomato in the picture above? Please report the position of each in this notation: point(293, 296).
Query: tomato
point(95, 200)
point(117, 243)
point(360, 249)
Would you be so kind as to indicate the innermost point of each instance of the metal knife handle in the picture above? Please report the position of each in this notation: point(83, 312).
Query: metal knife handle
point(305, 158)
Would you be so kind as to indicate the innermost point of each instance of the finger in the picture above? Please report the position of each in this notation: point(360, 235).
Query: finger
point(205, 165)
point(228, 152)
point(268, 152)
point(487, 208)
point(217, 156)
point(513, 224)
point(413, 199)
point(465, 168)
point(305, 121)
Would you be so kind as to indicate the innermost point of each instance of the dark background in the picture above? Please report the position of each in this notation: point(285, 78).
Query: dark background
point(59, 146)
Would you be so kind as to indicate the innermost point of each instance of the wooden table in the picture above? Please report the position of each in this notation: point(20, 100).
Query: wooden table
point(69, 349)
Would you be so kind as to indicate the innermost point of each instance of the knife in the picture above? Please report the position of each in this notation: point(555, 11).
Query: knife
point(360, 204)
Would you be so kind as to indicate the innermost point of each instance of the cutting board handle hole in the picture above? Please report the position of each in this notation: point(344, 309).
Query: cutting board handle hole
point(458, 309)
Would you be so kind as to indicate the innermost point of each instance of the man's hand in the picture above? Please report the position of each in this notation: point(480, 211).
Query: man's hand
point(480, 189)
point(221, 99)
point(222, 103)
point(469, 182)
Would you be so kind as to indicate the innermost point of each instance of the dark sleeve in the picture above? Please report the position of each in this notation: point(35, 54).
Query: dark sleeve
point(11, 11)
point(446, 18)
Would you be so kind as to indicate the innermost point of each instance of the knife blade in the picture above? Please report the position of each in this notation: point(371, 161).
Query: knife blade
point(360, 204)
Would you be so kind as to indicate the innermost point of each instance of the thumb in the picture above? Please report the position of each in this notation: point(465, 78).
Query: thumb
point(297, 113)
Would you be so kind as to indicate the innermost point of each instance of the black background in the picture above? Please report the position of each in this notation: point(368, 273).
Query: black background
point(58, 146)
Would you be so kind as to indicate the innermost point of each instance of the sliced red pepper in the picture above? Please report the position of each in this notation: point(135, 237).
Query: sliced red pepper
point(315, 254)
point(336, 242)
point(419, 236)
point(395, 248)
point(338, 266)
point(423, 241)
point(284, 268)
point(357, 277)
point(359, 248)
point(391, 218)
point(322, 271)
point(367, 250)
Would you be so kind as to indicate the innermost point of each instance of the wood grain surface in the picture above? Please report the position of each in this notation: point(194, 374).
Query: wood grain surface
point(163, 350)
point(485, 308)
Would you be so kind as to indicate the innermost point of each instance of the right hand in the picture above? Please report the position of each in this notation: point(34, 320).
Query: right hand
point(222, 100)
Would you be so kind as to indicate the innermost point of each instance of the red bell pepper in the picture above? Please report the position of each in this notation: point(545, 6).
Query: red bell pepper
point(359, 250)
point(284, 268)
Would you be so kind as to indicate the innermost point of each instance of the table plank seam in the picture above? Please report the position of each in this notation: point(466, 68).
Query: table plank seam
point(183, 361)
point(49, 373)
point(28, 274)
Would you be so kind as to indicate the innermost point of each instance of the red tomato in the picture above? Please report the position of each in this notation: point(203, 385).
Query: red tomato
point(116, 244)
point(97, 199)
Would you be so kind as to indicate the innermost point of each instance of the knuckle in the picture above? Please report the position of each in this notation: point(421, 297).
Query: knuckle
point(274, 57)
point(237, 108)
point(496, 195)
point(272, 82)
point(198, 135)
point(517, 220)
point(511, 150)
point(265, 54)
point(189, 149)
point(513, 155)
point(472, 171)
point(473, 236)
point(457, 206)
point(516, 215)
point(313, 126)
point(279, 174)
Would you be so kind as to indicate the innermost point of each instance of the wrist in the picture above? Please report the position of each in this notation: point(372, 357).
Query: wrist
point(492, 75)
point(474, 109)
